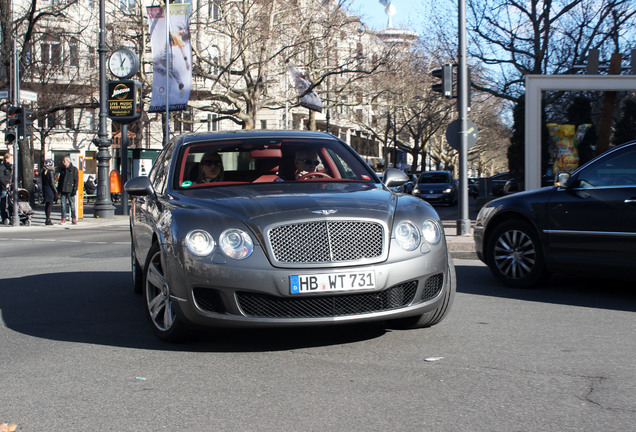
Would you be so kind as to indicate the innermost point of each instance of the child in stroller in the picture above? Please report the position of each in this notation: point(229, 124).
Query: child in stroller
point(24, 208)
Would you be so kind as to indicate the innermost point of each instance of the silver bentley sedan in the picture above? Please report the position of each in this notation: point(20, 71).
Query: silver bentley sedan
point(282, 228)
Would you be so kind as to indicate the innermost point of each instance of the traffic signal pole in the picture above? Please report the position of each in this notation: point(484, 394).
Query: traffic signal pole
point(463, 221)
point(15, 98)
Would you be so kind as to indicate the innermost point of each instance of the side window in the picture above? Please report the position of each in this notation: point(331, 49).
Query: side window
point(159, 174)
point(346, 172)
point(618, 169)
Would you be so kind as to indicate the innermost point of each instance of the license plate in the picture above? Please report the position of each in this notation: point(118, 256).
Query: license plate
point(331, 282)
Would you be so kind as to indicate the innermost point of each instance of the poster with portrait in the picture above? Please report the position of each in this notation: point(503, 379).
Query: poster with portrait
point(171, 57)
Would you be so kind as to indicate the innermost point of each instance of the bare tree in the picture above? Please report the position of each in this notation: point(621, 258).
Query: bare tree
point(49, 37)
point(543, 37)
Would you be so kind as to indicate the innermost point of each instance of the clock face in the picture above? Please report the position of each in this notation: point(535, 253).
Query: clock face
point(123, 63)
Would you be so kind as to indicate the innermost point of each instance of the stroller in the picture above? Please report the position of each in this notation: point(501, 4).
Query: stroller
point(24, 208)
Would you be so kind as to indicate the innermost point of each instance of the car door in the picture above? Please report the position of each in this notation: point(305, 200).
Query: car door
point(592, 222)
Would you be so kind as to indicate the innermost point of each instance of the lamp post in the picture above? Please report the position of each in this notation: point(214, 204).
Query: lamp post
point(104, 207)
point(463, 222)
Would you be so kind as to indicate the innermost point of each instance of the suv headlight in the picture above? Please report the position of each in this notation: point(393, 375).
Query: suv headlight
point(407, 236)
point(199, 242)
point(236, 244)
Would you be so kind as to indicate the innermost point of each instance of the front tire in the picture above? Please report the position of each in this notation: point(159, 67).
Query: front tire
point(514, 254)
point(160, 308)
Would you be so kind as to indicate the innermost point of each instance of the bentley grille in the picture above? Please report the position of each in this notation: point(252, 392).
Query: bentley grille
point(327, 241)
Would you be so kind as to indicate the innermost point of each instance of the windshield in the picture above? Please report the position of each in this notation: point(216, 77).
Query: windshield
point(258, 160)
point(431, 177)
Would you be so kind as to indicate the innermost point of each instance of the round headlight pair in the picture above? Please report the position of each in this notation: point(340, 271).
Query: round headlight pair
point(234, 243)
point(409, 238)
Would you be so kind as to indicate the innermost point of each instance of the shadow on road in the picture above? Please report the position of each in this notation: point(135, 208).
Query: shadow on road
point(563, 289)
point(100, 308)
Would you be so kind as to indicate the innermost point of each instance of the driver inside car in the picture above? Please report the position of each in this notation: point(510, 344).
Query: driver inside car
point(307, 161)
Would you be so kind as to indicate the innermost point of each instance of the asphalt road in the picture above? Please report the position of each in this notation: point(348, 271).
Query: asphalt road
point(78, 355)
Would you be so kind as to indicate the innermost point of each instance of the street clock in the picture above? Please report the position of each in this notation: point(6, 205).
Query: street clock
point(123, 63)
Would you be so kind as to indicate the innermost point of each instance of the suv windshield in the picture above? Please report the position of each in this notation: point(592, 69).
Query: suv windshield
point(431, 177)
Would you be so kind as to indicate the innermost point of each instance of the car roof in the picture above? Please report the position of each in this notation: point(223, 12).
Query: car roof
point(247, 134)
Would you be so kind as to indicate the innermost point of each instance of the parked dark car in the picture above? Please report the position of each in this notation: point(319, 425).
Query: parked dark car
point(498, 182)
point(586, 224)
point(437, 187)
point(516, 183)
point(285, 229)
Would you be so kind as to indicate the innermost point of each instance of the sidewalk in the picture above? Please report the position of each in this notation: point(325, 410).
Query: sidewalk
point(461, 247)
point(88, 221)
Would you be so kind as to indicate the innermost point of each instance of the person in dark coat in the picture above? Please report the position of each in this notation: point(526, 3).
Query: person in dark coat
point(48, 189)
point(67, 188)
point(6, 178)
point(89, 186)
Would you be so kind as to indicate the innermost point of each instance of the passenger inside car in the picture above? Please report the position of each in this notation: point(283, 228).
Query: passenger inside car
point(210, 168)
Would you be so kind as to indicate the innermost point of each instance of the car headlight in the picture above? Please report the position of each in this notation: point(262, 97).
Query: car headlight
point(236, 244)
point(416, 190)
point(447, 190)
point(200, 242)
point(407, 236)
point(431, 232)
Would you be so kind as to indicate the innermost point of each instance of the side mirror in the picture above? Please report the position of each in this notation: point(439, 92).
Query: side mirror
point(394, 177)
point(139, 186)
point(563, 179)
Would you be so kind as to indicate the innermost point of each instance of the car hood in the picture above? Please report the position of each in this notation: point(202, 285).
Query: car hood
point(268, 204)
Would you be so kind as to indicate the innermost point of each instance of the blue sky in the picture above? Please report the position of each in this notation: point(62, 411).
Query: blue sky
point(374, 16)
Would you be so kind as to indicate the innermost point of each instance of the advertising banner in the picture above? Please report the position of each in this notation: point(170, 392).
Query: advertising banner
point(307, 99)
point(170, 85)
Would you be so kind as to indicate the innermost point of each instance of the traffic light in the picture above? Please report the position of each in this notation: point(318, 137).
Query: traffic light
point(12, 116)
point(9, 136)
point(446, 86)
point(24, 121)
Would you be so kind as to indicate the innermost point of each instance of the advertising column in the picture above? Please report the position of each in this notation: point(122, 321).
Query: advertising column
point(78, 161)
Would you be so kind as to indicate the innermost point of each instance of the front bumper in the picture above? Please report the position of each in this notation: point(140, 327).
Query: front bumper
point(436, 198)
point(218, 292)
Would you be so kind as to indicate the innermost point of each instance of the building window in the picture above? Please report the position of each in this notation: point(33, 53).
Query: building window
point(73, 52)
point(46, 53)
point(91, 60)
point(69, 118)
point(187, 117)
point(214, 11)
point(51, 53)
point(51, 121)
point(263, 124)
point(92, 120)
point(127, 4)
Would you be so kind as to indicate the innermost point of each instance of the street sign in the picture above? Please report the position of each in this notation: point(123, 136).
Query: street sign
point(452, 134)
point(4, 94)
point(28, 96)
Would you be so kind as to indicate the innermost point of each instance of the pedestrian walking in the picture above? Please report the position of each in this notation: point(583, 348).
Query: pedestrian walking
point(67, 188)
point(6, 177)
point(48, 189)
